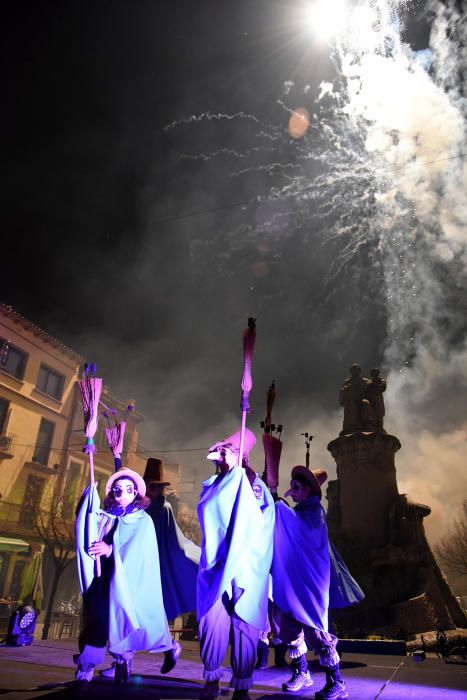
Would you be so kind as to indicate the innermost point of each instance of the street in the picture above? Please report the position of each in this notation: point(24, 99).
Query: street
point(45, 669)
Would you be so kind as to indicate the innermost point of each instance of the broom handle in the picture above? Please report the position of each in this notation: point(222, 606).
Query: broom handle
point(242, 439)
point(249, 338)
point(91, 477)
point(91, 468)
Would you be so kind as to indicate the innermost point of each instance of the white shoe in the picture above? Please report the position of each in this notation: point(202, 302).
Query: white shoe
point(298, 681)
point(81, 675)
point(108, 672)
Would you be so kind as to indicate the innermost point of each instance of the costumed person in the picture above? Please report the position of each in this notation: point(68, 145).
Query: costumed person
point(178, 558)
point(178, 555)
point(308, 578)
point(236, 514)
point(123, 605)
point(272, 447)
point(115, 436)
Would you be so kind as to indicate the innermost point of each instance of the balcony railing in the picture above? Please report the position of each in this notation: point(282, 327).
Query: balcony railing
point(22, 521)
point(43, 456)
point(7, 445)
point(16, 519)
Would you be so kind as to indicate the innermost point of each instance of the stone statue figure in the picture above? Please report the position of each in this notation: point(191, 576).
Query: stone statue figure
point(363, 402)
point(357, 408)
point(374, 394)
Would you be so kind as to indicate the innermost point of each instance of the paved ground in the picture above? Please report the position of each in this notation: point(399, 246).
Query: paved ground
point(45, 669)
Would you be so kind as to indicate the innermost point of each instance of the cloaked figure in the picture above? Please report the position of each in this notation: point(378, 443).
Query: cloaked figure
point(308, 578)
point(178, 555)
point(236, 514)
point(272, 446)
point(122, 603)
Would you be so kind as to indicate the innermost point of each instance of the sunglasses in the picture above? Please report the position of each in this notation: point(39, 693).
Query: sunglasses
point(222, 452)
point(118, 491)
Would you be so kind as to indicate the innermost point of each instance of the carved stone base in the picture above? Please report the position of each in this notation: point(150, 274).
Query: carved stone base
point(414, 615)
point(367, 485)
point(380, 535)
point(419, 612)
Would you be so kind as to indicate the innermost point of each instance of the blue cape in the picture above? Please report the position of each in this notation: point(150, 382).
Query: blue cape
point(343, 588)
point(137, 620)
point(179, 560)
point(237, 522)
point(300, 565)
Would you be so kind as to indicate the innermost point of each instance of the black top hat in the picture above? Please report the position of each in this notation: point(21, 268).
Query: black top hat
point(154, 472)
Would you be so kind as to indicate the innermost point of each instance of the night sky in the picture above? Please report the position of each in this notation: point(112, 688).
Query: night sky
point(153, 198)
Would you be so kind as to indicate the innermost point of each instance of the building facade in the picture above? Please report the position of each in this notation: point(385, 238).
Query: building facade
point(37, 396)
point(42, 467)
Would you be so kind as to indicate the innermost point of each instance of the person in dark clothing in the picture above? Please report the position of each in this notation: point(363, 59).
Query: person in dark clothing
point(301, 581)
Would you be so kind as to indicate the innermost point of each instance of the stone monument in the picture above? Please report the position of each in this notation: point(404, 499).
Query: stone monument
point(378, 531)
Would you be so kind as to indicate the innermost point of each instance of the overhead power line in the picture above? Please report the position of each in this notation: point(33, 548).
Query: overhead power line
point(296, 193)
point(78, 448)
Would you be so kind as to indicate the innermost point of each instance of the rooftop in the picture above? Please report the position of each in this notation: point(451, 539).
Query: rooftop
point(9, 312)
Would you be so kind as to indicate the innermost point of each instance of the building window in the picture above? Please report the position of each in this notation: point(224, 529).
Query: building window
point(100, 439)
point(44, 441)
point(4, 404)
point(70, 493)
point(50, 382)
point(126, 440)
point(12, 359)
point(31, 501)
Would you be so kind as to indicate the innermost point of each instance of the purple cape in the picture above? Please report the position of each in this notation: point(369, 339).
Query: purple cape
point(301, 565)
point(308, 575)
point(179, 560)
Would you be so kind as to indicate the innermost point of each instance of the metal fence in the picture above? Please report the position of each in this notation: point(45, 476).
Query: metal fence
point(7, 444)
point(16, 519)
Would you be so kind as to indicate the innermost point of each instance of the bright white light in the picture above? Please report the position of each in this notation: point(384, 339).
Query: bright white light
point(362, 28)
point(327, 17)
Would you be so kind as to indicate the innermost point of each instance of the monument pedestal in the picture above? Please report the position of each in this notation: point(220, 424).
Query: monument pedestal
point(366, 475)
point(381, 537)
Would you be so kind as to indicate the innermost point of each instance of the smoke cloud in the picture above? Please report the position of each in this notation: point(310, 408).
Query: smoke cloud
point(171, 205)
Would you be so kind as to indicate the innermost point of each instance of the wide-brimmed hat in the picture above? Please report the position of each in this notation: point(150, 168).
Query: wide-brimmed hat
point(154, 472)
point(126, 474)
point(315, 478)
point(233, 443)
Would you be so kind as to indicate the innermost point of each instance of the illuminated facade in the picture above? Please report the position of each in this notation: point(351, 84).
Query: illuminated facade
point(41, 458)
point(37, 399)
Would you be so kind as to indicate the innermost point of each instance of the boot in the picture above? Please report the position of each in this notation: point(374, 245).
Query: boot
point(279, 656)
point(171, 656)
point(122, 672)
point(263, 653)
point(241, 695)
point(210, 691)
point(301, 676)
point(335, 686)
